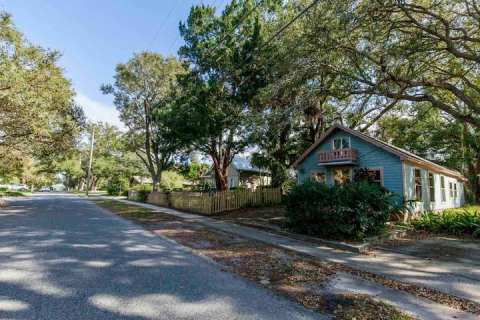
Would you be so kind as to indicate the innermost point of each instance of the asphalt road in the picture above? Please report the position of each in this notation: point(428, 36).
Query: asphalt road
point(62, 257)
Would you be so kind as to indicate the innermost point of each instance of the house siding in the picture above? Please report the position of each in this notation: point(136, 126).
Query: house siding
point(426, 204)
point(369, 156)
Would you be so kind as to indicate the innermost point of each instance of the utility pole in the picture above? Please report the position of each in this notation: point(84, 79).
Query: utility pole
point(89, 172)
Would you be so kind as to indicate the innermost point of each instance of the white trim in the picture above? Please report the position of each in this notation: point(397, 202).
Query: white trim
point(430, 186)
point(381, 173)
point(341, 137)
point(444, 191)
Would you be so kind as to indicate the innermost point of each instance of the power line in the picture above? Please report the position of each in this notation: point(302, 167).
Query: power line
point(298, 16)
point(282, 29)
point(163, 24)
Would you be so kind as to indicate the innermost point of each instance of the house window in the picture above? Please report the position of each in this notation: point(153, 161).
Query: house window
point(442, 189)
point(418, 185)
point(375, 176)
point(431, 186)
point(319, 177)
point(455, 192)
point(450, 187)
point(341, 143)
point(342, 175)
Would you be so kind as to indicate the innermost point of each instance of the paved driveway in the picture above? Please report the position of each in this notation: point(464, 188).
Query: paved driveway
point(62, 257)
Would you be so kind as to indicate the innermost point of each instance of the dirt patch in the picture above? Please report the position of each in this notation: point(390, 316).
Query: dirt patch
point(296, 276)
point(270, 218)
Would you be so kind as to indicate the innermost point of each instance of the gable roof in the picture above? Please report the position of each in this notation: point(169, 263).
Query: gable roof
point(402, 153)
point(245, 164)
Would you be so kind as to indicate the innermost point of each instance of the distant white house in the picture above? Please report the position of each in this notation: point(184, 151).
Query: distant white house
point(241, 173)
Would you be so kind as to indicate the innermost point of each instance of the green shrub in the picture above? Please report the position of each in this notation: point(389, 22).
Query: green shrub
point(142, 187)
point(352, 211)
point(142, 195)
point(171, 180)
point(116, 186)
point(203, 187)
point(456, 222)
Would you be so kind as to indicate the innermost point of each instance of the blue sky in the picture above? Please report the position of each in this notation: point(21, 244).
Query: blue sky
point(93, 36)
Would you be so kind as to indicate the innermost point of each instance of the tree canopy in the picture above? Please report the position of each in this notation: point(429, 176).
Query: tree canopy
point(142, 89)
point(37, 114)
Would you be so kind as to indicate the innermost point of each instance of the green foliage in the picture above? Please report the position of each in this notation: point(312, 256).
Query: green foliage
point(113, 166)
point(203, 187)
point(458, 222)
point(38, 117)
point(171, 180)
point(117, 186)
point(142, 92)
point(352, 211)
point(194, 171)
point(212, 114)
point(142, 195)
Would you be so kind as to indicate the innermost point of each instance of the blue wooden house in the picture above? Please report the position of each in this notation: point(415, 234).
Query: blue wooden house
point(334, 158)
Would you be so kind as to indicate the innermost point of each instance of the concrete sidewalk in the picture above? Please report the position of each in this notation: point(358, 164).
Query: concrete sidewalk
point(461, 280)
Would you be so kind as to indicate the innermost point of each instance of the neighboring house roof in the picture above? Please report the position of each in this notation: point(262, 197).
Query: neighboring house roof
point(241, 164)
point(245, 164)
point(402, 153)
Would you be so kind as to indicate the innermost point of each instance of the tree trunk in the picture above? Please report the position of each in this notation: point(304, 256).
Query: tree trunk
point(221, 178)
point(155, 182)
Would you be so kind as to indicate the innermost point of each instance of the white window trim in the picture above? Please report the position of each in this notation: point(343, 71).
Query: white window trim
point(381, 173)
point(349, 142)
point(444, 189)
point(422, 185)
point(434, 186)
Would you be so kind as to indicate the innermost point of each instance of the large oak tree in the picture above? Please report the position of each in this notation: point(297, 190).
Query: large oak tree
point(142, 90)
point(37, 114)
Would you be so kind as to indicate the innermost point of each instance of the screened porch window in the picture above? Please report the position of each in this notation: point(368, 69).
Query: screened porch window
point(442, 189)
point(431, 186)
point(418, 185)
point(455, 191)
point(341, 143)
point(450, 185)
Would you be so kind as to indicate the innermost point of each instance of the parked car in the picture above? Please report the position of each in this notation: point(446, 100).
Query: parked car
point(18, 187)
point(44, 189)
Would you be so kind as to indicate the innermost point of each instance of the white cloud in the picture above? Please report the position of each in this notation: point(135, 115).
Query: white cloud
point(98, 111)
